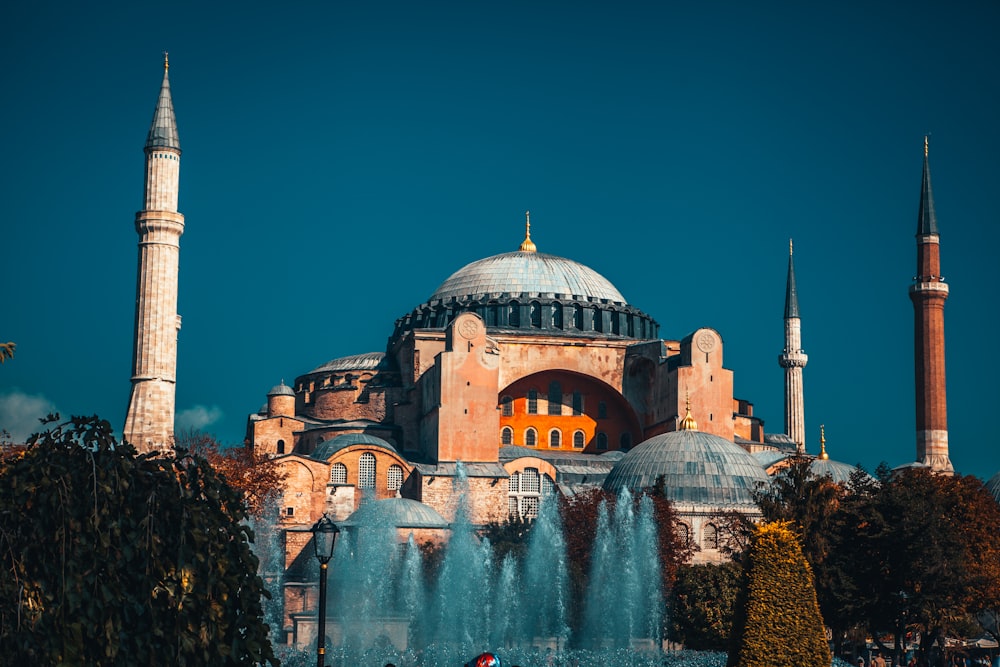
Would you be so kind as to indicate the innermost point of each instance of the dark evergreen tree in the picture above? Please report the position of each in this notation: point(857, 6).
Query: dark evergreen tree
point(114, 558)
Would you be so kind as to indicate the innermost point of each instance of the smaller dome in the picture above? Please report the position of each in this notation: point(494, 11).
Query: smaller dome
point(696, 467)
point(281, 390)
point(839, 472)
point(397, 512)
point(993, 486)
point(328, 448)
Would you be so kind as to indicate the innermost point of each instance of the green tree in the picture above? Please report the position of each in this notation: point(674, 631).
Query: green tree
point(701, 605)
point(777, 621)
point(109, 557)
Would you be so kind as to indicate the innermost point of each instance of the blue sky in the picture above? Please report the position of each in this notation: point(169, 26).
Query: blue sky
point(342, 159)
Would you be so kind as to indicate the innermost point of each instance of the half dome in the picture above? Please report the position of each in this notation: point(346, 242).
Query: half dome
point(533, 273)
point(696, 467)
point(396, 512)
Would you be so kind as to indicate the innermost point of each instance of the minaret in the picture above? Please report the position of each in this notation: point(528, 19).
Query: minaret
point(793, 360)
point(928, 294)
point(149, 424)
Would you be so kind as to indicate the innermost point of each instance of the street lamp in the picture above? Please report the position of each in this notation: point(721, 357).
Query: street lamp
point(324, 536)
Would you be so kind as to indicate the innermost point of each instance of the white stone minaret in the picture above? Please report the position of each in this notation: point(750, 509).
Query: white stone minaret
point(149, 424)
point(793, 360)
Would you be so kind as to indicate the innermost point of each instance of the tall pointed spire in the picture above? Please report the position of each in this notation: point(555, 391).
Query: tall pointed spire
point(791, 294)
point(163, 129)
point(928, 293)
point(793, 360)
point(926, 220)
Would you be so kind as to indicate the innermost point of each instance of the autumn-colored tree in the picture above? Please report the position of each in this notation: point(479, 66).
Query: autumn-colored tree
point(256, 476)
point(112, 558)
point(7, 351)
point(923, 553)
point(701, 605)
point(777, 621)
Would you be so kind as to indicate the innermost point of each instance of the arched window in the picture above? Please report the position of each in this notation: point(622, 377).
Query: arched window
point(366, 471)
point(532, 401)
point(711, 536)
point(555, 437)
point(507, 436)
point(530, 437)
point(579, 439)
point(281, 446)
point(578, 316)
point(493, 314)
point(535, 313)
point(557, 316)
point(683, 533)
point(514, 317)
point(338, 473)
point(577, 403)
point(615, 323)
point(625, 441)
point(555, 398)
point(596, 318)
point(602, 440)
point(507, 406)
point(394, 478)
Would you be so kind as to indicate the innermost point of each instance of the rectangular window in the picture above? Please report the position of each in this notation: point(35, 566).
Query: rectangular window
point(577, 403)
point(532, 402)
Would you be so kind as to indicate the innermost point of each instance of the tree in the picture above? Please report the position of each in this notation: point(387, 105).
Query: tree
point(777, 622)
point(256, 476)
point(701, 605)
point(7, 351)
point(923, 554)
point(110, 557)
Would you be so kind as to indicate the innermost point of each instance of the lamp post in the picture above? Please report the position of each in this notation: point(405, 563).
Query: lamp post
point(324, 536)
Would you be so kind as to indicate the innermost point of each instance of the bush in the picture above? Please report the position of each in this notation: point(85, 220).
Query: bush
point(777, 622)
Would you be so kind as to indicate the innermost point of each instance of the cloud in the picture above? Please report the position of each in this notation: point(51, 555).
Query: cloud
point(197, 418)
point(20, 412)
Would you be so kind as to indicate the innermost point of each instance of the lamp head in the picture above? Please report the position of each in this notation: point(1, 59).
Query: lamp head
point(324, 536)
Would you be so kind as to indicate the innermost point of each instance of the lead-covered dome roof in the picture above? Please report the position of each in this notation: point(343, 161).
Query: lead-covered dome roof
point(697, 468)
point(527, 273)
point(396, 512)
point(526, 291)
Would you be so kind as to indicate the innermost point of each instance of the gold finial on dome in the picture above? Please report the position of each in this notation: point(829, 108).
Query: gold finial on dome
point(822, 444)
point(527, 245)
point(688, 423)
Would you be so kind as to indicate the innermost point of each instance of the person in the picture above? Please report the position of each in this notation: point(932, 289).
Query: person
point(861, 662)
point(485, 660)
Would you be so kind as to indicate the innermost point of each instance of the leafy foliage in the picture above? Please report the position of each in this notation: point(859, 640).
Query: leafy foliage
point(777, 622)
point(701, 605)
point(7, 351)
point(256, 476)
point(113, 558)
point(923, 553)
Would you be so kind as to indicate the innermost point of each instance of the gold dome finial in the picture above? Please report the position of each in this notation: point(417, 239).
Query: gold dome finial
point(688, 423)
point(822, 444)
point(527, 245)
point(166, 60)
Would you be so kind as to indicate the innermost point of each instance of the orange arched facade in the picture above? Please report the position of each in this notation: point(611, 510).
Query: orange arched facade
point(561, 410)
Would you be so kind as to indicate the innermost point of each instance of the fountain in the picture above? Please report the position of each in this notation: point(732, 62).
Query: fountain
point(382, 609)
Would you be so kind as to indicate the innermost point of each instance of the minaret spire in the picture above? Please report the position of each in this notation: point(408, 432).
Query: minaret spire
point(149, 423)
point(793, 360)
point(928, 294)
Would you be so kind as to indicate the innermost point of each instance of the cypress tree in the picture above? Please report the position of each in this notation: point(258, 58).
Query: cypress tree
point(777, 622)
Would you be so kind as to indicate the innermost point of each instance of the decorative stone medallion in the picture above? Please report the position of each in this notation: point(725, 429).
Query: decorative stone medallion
point(706, 341)
point(468, 328)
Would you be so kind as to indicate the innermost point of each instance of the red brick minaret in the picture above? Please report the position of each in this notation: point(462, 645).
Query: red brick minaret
point(928, 294)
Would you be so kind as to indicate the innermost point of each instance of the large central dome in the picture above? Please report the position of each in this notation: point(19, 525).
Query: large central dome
point(527, 273)
point(525, 292)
